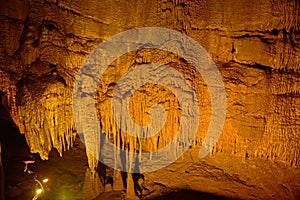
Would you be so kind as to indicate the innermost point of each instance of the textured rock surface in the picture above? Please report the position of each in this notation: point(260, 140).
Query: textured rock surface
point(254, 44)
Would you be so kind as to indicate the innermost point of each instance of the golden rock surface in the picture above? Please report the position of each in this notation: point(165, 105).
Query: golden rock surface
point(255, 44)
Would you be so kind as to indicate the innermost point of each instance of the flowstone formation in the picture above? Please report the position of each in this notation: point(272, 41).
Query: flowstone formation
point(254, 44)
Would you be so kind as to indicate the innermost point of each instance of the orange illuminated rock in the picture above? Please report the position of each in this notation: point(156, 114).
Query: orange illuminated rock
point(255, 45)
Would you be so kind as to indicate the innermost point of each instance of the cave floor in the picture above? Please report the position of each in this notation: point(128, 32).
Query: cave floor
point(250, 179)
point(65, 175)
point(66, 178)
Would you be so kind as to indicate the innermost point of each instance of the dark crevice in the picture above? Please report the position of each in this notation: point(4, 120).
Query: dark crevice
point(261, 37)
point(53, 67)
point(275, 31)
point(48, 25)
point(60, 79)
point(265, 68)
point(182, 4)
point(243, 36)
point(288, 95)
point(268, 36)
point(233, 49)
point(288, 71)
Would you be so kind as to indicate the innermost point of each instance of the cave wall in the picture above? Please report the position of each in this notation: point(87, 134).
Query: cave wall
point(255, 45)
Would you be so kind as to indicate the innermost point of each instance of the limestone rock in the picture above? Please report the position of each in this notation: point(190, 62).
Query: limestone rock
point(255, 45)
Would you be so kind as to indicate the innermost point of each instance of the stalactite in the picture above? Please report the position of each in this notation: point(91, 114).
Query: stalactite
point(265, 49)
point(47, 121)
point(9, 99)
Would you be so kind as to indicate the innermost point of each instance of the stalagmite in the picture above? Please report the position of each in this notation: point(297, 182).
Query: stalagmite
point(118, 183)
point(92, 185)
point(130, 193)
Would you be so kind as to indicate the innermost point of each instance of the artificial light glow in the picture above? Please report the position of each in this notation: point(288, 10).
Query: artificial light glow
point(39, 191)
point(45, 180)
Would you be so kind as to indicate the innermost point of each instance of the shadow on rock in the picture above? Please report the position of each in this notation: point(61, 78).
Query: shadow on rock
point(191, 195)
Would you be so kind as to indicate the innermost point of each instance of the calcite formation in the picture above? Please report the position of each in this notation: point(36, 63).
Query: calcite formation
point(255, 45)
